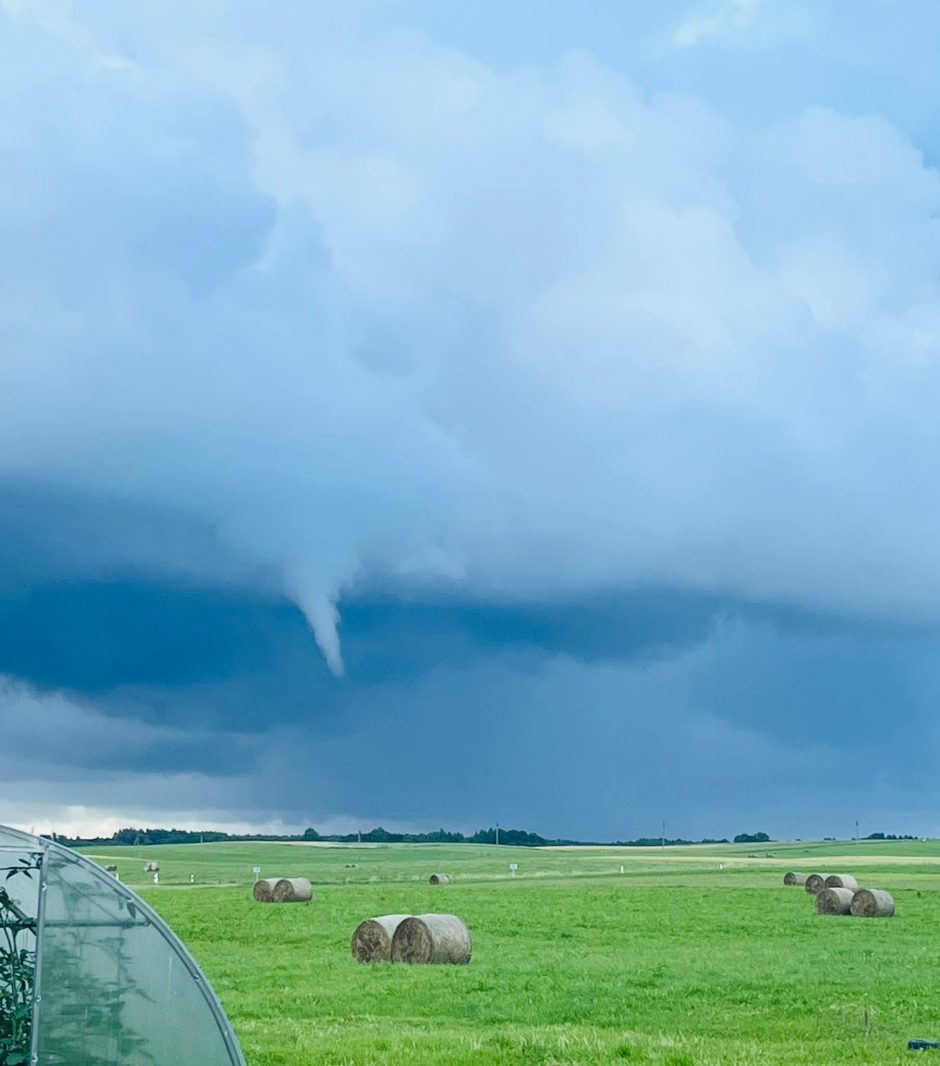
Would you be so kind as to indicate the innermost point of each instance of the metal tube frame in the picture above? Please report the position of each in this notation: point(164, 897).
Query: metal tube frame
point(147, 916)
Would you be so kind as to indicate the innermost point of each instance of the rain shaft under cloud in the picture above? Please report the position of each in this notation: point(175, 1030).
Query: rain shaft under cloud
point(312, 318)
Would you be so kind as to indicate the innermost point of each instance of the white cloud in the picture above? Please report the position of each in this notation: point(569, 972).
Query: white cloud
point(374, 312)
point(720, 20)
point(741, 23)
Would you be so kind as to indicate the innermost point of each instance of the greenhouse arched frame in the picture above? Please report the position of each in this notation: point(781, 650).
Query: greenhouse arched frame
point(92, 976)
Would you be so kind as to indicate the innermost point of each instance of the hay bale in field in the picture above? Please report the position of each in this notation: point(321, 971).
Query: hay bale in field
point(842, 881)
point(293, 890)
point(263, 891)
point(872, 903)
point(815, 883)
point(834, 900)
point(432, 938)
point(440, 879)
point(372, 940)
point(152, 868)
point(792, 878)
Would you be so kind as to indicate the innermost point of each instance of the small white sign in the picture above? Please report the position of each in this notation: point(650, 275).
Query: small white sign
point(514, 866)
point(256, 869)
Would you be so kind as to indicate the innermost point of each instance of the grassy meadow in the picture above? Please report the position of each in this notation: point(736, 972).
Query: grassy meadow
point(693, 956)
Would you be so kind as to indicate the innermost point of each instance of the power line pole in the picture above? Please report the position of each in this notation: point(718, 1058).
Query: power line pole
point(497, 834)
point(662, 838)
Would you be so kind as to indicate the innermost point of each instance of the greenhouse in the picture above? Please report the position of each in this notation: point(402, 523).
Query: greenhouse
point(90, 975)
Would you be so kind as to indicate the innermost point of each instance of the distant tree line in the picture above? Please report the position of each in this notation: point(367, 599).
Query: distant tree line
point(655, 842)
point(379, 835)
point(890, 836)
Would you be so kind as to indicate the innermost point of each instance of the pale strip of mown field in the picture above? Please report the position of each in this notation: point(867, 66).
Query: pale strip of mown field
point(368, 863)
point(674, 962)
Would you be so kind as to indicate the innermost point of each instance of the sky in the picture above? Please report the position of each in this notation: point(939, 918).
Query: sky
point(425, 415)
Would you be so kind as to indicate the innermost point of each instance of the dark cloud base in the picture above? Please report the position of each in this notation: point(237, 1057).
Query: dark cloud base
point(591, 718)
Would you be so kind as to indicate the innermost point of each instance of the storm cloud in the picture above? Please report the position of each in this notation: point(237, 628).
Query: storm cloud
point(365, 381)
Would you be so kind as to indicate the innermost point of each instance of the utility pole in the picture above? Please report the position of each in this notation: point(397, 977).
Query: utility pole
point(856, 830)
point(662, 838)
point(359, 835)
point(497, 834)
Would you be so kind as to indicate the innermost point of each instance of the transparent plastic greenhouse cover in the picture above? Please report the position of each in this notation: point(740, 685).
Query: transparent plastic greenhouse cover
point(95, 977)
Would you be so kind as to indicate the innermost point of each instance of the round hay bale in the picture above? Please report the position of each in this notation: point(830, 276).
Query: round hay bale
point(872, 903)
point(815, 883)
point(792, 878)
point(293, 890)
point(263, 891)
point(432, 938)
point(372, 940)
point(834, 900)
point(439, 879)
point(842, 881)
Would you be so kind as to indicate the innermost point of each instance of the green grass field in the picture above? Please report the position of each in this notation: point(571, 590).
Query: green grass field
point(676, 961)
